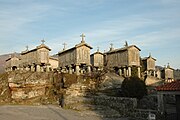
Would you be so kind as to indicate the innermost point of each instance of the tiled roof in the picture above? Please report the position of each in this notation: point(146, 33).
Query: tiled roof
point(173, 86)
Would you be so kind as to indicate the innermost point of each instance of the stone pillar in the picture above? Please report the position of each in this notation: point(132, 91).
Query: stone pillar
point(27, 68)
point(160, 103)
point(21, 68)
point(63, 70)
point(89, 69)
point(81, 71)
point(129, 71)
point(125, 72)
point(32, 68)
point(77, 69)
point(154, 72)
point(42, 69)
point(147, 72)
point(139, 72)
point(70, 69)
point(120, 72)
point(38, 68)
point(47, 68)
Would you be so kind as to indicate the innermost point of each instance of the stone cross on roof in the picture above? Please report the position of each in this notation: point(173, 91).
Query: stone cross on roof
point(27, 47)
point(111, 45)
point(111, 48)
point(126, 44)
point(43, 41)
point(168, 66)
point(64, 46)
point(97, 49)
point(149, 54)
point(82, 36)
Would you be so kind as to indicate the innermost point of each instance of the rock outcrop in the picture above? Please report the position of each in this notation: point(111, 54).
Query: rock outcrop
point(80, 97)
point(19, 87)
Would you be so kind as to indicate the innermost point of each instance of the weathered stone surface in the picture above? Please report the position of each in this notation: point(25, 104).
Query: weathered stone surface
point(4, 89)
point(25, 93)
point(79, 97)
point(153, 81)
point(111, 80)
point(28, 84)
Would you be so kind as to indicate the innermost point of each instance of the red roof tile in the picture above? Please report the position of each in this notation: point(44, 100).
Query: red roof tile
point(173, 86)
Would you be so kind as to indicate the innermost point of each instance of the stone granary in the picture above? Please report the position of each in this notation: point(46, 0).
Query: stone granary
point(158, 72)
point(75, 59)
point(149, 64)
point(53, 61)
point(36, 59)
point(168, 74)
point(124, 60)
point(97, 60)
point(12, 63)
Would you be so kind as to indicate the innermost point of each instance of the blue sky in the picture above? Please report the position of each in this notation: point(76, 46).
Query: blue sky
point(152, 25)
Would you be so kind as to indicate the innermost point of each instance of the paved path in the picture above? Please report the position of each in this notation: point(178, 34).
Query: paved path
point(18, 112)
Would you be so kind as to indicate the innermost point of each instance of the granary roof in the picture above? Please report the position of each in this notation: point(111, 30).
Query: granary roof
point(145, 58)
point(82, 44)
point(173, 86)
point(54, 58)
point(159, 68)
point(76, 46)
point(43, 46)
point(97, 52)
point(38, 47)
point(123, 49)
point(13, 56)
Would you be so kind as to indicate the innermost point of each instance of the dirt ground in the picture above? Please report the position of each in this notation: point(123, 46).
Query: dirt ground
point(22, 112)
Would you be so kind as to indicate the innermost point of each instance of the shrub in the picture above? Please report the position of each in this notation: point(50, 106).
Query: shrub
point(133, 87)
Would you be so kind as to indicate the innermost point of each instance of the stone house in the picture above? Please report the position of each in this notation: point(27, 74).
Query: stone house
point(12, 63)
point(36, 59)
point(172, 89)
point(75, 59)
point(123, 60)
point(97, 60)
point(158, 73)
point(149, 64)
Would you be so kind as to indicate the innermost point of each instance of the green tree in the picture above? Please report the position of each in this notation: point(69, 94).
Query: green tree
point(134, 72)
point(133, 87)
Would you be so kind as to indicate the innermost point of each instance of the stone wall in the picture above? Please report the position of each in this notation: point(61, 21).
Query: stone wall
point(121, 104)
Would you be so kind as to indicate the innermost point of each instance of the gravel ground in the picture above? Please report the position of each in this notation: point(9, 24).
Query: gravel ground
point(22, 112)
